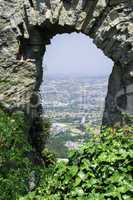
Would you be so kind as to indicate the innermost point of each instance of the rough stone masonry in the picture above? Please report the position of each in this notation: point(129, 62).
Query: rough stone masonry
point(26, 26)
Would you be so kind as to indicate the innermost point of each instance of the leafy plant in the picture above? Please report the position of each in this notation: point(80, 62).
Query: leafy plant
point(15, 167)
point(101, 169)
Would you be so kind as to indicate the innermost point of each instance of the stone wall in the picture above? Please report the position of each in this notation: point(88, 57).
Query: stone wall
point(26, 26)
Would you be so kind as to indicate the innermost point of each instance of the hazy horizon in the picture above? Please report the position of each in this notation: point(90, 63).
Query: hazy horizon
point(76, 55)
point(75, 75)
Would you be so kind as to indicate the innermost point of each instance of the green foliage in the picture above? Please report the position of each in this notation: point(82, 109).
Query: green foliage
point(15, 167)
point(46, 126)
point(41, 139)
point(127, 119)
point(49, 157)
point(101, 169)
point(57, 144)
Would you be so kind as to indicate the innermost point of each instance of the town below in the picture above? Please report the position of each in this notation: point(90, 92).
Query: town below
point(74, 105)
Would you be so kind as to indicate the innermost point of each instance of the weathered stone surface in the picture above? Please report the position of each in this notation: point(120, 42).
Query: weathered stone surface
point(26, 26)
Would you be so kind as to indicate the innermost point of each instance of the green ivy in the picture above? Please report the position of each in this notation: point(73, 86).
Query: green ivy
point(101, 169)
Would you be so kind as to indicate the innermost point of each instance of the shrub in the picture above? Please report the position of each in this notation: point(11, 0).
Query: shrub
point(101, 169)
point(18, 174)
point(15, 167)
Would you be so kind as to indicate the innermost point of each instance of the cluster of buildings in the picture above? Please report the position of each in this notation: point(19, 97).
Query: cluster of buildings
point(72, 104)
point(69, 99)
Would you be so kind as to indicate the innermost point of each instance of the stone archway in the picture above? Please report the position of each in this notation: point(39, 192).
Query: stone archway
point(27, 26)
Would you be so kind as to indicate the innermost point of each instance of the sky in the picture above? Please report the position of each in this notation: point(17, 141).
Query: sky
point(75, 54)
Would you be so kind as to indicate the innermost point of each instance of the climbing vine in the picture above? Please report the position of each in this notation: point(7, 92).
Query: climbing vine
point(101, 169)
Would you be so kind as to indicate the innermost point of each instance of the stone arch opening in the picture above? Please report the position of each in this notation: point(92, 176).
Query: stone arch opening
point(65, 57)
point(73, 90)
